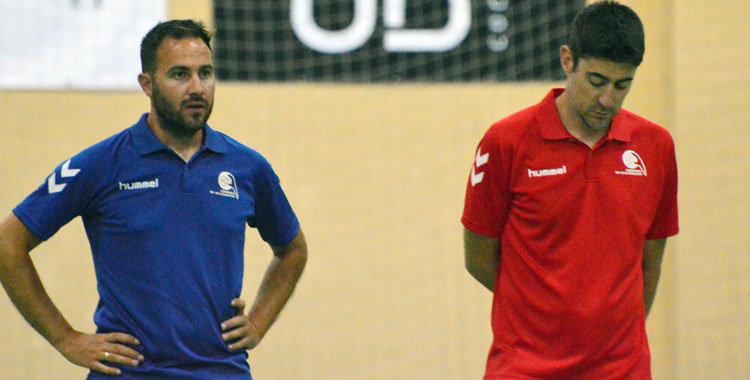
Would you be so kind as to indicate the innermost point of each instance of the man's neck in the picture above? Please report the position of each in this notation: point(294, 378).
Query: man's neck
point(574, 123)
point(184, 145)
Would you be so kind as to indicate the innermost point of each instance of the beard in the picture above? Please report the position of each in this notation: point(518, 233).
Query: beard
point(174, 118)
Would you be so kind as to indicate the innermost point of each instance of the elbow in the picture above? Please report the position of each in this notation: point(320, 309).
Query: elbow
point(301, 258)
point(298, 256)
point(293, 254)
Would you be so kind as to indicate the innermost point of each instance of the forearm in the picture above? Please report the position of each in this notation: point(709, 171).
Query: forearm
point(278, 283)
point(24, 287)
point(482, 258)
point(653, 252)
point(484, 272)
point(651, 274)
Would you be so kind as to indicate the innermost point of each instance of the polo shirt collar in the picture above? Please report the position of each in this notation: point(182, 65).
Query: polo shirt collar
point(552, 128)
point(146, 142)
point(620, 129)
point(214, 141)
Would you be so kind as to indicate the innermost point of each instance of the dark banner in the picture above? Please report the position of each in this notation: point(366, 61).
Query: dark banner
point(391, 40)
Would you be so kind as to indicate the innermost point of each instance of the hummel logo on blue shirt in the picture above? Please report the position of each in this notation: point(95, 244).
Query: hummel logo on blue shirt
point(152, 184)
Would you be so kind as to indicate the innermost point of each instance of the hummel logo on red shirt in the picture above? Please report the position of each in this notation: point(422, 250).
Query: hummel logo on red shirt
point(547, 172)
point(480, 160)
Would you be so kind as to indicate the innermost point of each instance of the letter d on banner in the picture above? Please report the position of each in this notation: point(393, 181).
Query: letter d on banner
point(341, 41)
point(425, 40)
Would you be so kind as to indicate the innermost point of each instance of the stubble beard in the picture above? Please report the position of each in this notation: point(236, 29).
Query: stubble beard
point(595, 124)
point(172, 119)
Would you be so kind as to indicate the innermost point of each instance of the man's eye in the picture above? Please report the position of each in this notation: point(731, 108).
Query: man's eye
point(596, 82)
point(622, 86)
point(180, 75)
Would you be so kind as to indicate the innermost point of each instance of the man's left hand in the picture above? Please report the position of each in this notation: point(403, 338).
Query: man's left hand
point(240, 330)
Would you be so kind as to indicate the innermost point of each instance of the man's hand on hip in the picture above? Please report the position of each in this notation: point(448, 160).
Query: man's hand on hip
point(94, 351)
point(240, 330)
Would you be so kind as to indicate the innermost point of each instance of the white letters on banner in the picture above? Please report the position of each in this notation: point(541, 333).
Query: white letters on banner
point(325, 41)
point(395, 38)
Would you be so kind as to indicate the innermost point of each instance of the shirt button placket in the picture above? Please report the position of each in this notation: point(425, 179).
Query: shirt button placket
point(591, 167)
point(186, 184)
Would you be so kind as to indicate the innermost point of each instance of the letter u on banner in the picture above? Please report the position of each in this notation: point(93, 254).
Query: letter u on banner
point(424, 40)
point(332, 42)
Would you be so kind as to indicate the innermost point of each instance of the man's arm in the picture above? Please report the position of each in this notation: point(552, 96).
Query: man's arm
point(282, 275)
point(482, 258)
point(24, 287)
point(653, 252)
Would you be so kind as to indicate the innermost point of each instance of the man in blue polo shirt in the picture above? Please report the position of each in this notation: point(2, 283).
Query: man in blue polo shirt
point(164, 204)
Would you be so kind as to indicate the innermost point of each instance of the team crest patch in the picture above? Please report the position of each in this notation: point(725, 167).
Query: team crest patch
point(633, 164)
point(228, 186)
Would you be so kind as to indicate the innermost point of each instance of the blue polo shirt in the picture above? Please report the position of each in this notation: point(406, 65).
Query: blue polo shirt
point(167, 240)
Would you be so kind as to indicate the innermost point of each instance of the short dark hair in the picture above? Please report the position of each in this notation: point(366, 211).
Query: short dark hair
point(607, 30)
point(177, 29)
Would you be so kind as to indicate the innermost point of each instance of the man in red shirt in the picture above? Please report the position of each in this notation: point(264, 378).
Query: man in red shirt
point(568, 207)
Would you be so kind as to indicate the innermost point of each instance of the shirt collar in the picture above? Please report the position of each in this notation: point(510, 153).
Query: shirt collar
point(552, 128)
point(146, 142)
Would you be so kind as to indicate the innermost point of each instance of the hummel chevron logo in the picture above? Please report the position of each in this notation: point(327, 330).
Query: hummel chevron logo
point(65, 172)
point(480, 160)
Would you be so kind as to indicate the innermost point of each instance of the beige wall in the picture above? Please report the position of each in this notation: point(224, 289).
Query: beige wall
point(376, 174)
point(712, 78)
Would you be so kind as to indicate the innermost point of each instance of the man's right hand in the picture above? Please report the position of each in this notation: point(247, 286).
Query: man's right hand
point(21, 281)
point(94, 351)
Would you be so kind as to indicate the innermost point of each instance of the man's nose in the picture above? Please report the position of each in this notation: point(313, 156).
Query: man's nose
point(195, 85)
point(608, 97)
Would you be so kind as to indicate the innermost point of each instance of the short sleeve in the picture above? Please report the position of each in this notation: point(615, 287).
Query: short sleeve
point(274, 217)
point(65, 194)
point(487, 192)
point(665, 223)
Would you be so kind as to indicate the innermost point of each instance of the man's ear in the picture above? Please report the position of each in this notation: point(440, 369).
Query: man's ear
point(146, 82)
point(566, 59)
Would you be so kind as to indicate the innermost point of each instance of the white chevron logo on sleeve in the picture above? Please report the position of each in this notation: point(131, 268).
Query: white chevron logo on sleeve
point(475, 177)
point(65, 172)
point(480, 160)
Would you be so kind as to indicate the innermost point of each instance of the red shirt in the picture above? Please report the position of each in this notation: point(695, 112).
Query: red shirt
point(568, 299)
